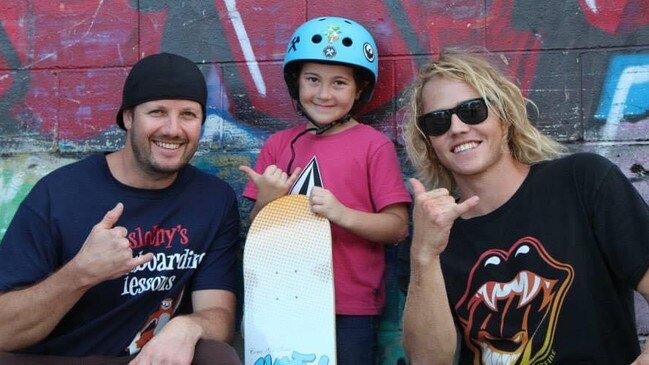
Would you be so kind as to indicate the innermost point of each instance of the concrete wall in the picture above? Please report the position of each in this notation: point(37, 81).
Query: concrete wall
point(62, 64)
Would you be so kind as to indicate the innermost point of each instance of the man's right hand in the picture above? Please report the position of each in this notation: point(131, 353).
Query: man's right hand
point(106, 253)
point(30, 314)
point(434, 213)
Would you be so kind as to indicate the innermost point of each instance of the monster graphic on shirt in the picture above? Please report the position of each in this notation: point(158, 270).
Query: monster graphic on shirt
point(512, 303)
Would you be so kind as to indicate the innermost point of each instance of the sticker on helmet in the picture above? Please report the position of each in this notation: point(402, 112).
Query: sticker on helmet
point(329, 52)
point(332, 33)
point(368, 51)
point(294, 41)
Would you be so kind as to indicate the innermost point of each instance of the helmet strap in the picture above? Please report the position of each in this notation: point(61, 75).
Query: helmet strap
point(320, 129)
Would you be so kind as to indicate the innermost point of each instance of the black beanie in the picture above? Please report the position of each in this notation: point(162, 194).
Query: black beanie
point(163, 76)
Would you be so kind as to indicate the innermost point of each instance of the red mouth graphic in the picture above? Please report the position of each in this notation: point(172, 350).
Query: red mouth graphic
point(513, 298)
point(526, 286)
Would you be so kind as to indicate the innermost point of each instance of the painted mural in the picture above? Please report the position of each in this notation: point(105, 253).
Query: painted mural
point(585, 63)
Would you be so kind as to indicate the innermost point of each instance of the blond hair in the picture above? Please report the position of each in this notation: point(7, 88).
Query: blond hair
point(504, 99)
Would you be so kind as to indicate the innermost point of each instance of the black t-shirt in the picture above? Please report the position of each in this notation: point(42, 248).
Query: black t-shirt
point(548, 277)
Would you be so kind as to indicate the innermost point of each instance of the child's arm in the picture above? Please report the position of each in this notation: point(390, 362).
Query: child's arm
point(272, 184)
point(390, 225)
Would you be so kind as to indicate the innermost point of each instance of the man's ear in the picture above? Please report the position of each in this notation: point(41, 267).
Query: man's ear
point(127, 116)
point(508, 135)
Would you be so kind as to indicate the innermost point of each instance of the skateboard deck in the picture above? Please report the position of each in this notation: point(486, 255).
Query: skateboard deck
point(288, 286)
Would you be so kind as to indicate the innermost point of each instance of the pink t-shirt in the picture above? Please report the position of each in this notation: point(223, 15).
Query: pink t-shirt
point(360, 167)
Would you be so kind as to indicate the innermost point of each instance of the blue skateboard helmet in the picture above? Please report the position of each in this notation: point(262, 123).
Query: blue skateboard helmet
point(332, 40)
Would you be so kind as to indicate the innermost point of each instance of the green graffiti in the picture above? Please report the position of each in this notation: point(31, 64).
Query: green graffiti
point(18, 174)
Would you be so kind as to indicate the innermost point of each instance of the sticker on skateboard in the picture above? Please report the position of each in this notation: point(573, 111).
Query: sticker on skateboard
point(289, 313)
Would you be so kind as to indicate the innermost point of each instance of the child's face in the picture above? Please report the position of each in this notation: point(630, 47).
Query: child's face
point(327, 92)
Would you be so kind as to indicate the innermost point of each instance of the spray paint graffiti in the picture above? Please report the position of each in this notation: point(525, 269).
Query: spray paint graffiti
point(624, 92)
point(17, 176)
point(584, 62)
point(65, 70)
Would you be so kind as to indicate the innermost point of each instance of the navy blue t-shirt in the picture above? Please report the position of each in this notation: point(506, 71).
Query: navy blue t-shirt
point(191, 227)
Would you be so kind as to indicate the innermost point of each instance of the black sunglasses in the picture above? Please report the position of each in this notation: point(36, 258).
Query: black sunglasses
point(438, 122)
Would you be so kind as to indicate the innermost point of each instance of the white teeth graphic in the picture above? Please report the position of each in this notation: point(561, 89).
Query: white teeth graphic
point(490, 302)
point(491, 357)
point(167, 145)
point(527, 292)
point(525, 284)
point(465, 146)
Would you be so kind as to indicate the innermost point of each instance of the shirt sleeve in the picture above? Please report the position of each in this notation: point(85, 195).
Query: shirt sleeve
point(27, 251)
point(620, 222)
point(386, 183)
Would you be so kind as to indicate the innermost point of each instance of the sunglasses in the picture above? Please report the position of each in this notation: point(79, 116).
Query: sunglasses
point(438, 122)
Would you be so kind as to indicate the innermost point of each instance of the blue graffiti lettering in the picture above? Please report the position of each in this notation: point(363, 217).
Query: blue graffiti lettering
point(625, 88)
point(295, 359)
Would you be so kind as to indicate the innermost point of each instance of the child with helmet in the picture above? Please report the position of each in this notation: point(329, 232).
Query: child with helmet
point(349, 170)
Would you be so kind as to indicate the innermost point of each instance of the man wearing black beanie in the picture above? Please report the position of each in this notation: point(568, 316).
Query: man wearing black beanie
point(132, 252)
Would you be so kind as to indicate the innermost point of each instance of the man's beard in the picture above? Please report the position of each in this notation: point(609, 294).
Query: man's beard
point(145, 160)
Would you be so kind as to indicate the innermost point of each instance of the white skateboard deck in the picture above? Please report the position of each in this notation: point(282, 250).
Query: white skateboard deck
point(289, 312)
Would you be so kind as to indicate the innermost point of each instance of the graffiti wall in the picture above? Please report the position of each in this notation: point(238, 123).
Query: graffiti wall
point(62, 64)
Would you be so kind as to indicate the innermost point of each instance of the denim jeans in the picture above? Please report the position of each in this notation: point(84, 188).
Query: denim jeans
point(356, 339)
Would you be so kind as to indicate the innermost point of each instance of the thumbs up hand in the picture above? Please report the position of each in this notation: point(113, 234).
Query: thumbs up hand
point(106, 253)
